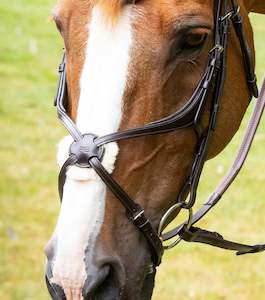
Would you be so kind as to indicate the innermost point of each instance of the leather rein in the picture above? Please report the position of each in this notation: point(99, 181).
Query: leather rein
point(87, 150)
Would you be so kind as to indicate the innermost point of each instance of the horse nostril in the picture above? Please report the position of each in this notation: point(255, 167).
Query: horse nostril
point(94, 280)
point(102, 282)
point(55, 291)
point(108, 286)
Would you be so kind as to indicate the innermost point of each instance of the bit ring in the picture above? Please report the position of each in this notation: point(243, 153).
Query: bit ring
point(163, 223)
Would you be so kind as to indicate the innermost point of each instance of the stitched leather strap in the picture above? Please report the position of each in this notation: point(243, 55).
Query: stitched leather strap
point(246, 52)
point(198, 235)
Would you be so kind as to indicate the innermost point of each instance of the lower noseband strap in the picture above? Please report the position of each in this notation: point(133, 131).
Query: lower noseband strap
point(134, 211)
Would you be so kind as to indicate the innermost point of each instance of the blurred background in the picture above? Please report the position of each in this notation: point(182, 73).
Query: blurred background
point(30, 51)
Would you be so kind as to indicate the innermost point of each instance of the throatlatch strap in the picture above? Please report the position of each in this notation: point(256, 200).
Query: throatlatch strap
point(246, 52)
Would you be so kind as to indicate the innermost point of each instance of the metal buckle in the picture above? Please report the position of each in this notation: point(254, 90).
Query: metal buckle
point(231, 14)
point(163, 224)
point(236, 12)
point(61, 67)
point(217, 47)
point(140, 220)
point(138, 215)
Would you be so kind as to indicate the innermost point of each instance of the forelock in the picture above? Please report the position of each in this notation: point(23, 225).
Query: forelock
point(112, 8)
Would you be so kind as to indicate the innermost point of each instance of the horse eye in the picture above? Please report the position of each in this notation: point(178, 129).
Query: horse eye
point(194, 40)
point(131, 1)
point(187, 42)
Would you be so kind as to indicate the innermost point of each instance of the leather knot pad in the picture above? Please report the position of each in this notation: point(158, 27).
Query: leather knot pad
point(85, 149)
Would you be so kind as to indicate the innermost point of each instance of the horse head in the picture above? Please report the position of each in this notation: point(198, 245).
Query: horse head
point(130, 63)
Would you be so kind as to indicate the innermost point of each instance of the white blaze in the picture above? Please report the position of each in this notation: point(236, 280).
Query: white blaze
point(102, 86)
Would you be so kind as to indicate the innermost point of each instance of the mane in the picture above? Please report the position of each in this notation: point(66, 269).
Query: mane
point(111, 8)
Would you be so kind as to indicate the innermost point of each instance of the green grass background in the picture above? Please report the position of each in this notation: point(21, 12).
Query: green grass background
point(30, 49)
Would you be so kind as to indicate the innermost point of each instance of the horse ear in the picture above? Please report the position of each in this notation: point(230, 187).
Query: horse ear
point(257, 6)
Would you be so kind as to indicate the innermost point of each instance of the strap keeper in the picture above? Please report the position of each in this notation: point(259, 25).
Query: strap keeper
point(217, 47)
point(61, 67)
point(252, 82)
point(236, 15)
point(140, 220)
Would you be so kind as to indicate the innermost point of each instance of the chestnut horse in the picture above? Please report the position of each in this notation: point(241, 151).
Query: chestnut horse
point(130, 63)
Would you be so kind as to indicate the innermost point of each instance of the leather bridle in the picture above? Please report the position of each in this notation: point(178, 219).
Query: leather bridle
point(87, 150)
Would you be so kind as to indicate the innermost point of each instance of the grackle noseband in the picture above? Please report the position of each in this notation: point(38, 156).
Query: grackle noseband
point(87, 150)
